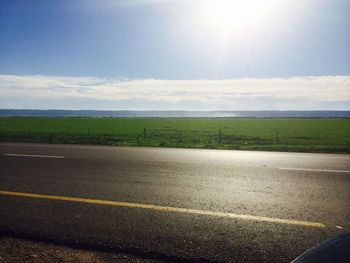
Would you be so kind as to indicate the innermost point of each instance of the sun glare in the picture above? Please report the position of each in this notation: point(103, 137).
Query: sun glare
point(235, 15)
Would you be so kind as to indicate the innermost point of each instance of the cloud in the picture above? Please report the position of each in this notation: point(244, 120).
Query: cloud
point(296, 93)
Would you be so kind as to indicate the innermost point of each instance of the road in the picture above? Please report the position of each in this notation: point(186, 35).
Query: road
point(175, 204)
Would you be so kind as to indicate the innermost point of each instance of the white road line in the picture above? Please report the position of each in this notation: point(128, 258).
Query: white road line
point(313, 170)
point(34, 155)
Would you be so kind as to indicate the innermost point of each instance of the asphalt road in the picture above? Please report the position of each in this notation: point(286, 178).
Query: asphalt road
point(175, 204)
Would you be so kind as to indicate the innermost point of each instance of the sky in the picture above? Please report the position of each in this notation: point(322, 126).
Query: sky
point(175, 55)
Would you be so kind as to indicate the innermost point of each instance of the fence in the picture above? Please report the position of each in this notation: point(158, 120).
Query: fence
point(148, 137)
point(181, 138)
point(271, 140)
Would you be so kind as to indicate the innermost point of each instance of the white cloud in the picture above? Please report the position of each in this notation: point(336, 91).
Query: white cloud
point(296, 93)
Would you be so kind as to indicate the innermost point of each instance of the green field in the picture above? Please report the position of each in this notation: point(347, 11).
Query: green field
point(300, 135)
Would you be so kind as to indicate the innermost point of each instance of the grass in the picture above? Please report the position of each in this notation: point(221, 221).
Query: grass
point(297, 135)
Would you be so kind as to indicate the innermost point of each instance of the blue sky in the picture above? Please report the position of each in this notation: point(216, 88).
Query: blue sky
point(132, 42)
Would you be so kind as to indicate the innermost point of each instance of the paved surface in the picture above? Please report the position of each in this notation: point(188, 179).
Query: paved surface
point(217, 199)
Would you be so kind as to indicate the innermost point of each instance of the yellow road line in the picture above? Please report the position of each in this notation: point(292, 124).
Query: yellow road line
point(167, 209)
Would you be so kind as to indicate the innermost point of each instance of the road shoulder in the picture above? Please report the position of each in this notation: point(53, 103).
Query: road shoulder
point(22, 250)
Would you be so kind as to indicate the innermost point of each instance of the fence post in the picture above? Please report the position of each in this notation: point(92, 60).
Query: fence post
point(145, 133)
point(219, 136)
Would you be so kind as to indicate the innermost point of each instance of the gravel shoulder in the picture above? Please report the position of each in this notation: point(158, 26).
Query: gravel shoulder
point(21, 250)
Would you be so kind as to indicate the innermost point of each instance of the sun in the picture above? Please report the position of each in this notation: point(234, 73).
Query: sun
point(235, 15)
